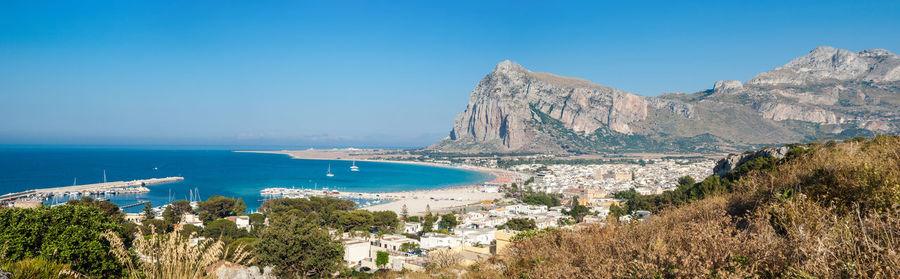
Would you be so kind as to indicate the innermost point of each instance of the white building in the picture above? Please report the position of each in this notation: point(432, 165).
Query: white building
point(435, 240)
point(393, 242)
point(482, 236)
point(191, 219)
point(243, 222)
point(412, 228)
point(355, 251)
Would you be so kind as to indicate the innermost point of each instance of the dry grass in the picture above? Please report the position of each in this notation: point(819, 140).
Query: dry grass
point(171, 256)
point(828, 213)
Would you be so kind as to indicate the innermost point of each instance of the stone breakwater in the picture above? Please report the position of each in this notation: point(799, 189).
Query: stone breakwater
point(109, 186)
point(116, 187)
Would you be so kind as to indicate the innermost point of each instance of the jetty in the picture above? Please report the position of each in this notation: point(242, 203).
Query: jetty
point(105, 188)
point(133, 186)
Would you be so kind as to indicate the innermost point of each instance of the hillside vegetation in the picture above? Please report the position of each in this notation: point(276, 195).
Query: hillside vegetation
point(825, 210)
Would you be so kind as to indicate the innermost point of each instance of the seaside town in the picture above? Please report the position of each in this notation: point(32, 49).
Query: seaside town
point(460, 225)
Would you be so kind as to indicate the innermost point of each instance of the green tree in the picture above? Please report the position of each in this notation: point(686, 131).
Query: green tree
point(216, 207)
point(239, 207)
point(299, 248)
point(107, 207)
point(541, 199)
point(148, 211)
point(357, 220)
point(244, 244)
point(686, 181)
point(404, 213)
point(414, 219)
point(181, 207)
point(382, 258)
point(224, 230)
point(385, 221)
point(428, 222)
point(448, 221)
point(520, 224)
point(170, 215)
point(409, 247)
point(155, 225)
point(188, 229)
point(616, 211)
point(68, 234)
point(578, 211)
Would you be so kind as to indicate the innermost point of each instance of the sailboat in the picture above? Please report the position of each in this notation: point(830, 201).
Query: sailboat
point(329, 174)
point(354, 167)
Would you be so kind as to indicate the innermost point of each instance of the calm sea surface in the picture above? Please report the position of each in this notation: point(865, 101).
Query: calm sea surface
point(211, 172)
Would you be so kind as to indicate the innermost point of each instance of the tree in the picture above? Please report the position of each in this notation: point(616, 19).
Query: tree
point(427, 209)
point(428, 222)
point(616, 211)
point(155, 225)
point(448, 221)
point(541, 199)
point(404, 213)
point(382, 258)
point(385, 220)
point(239, 207)
point(67, 234)
point(409, 247)
point(299, 248)
point(357, 220)
point(686, 181)
point(187, 230)
point(107, 207)
point(216, 207)
point(578, 211)
point(148, 211)
point(224, 230)
point(181, 207)
point(520, 224)
point(170, 215)
point(414, 219)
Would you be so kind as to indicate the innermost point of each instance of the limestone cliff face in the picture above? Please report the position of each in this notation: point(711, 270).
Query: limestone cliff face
point(830, 64)
point(500, 109)
point(828, 93)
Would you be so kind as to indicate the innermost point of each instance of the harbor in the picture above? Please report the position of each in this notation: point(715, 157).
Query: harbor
point(96, 189)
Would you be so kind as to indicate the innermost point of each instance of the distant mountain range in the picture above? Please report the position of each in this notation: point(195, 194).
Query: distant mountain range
point(827, 94)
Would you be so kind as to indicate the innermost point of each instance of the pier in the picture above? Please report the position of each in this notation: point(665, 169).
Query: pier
point(134, 186)
point(133, 205)
point(116, 187)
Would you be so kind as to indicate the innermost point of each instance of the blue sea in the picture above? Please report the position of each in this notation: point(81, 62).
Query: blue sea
point(211, 172)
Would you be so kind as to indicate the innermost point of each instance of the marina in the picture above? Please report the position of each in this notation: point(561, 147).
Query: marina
point(97, 189)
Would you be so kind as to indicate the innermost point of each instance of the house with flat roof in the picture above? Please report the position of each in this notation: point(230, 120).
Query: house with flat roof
point(355, 251)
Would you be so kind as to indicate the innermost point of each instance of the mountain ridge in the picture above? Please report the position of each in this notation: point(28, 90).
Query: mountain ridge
point(828, 93)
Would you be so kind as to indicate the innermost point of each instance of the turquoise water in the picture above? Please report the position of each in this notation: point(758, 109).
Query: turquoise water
point(212, 172)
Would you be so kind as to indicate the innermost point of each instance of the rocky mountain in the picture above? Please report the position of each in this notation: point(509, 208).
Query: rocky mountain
point(828, 93)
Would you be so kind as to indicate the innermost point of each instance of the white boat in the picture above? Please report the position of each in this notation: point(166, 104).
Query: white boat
point(354, 167)
point(329, 174)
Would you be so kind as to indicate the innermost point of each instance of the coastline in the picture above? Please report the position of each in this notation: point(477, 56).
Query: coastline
point(297, 155)
point(416, 201)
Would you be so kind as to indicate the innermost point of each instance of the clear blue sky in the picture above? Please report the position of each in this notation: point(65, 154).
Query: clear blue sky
point(378, 73)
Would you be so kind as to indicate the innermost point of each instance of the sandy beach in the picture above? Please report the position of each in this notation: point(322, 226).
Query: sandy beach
point(415, 201)
point(437, 199)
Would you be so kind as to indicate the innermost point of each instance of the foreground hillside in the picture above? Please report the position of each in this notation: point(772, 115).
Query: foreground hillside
point(827, 94)
point(824, 210)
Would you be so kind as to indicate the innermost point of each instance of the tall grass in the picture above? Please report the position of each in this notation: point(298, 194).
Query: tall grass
point(171, 255)
point(829, 212)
